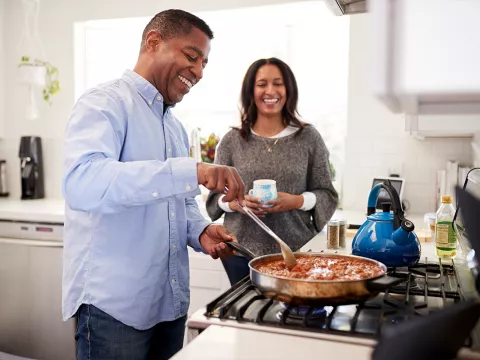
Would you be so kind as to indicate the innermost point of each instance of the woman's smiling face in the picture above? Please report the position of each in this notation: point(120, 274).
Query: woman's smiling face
point(269, 91)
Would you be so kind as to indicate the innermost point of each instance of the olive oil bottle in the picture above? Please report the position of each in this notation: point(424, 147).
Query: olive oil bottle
point(445, 237)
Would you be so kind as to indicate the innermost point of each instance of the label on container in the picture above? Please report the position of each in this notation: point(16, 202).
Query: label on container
point(445, 235)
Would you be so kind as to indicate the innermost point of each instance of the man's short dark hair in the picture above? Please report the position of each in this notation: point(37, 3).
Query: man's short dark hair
point(175, 23)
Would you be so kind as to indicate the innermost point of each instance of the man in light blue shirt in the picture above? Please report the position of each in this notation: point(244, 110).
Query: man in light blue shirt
point(129, 187)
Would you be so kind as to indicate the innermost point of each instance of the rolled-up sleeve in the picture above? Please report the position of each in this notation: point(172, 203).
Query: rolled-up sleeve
point(94, 178)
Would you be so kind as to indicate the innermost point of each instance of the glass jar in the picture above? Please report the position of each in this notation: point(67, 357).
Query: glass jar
point(333, 227)
point(342, 232)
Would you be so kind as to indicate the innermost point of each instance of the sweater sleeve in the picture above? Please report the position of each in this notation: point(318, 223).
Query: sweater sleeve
point(222, 157)
point(319, 182)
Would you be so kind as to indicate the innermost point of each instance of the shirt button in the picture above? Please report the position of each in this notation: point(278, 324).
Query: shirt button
point(174, 246)
point(173, 214)
point(159, 98)
point(150, 102)
point(169, 149)
point(187, 187)
point(173, 281)
point(155, 194)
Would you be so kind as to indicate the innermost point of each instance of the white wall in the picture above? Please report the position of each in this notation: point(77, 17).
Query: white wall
point(56, 29)
point(377, 144)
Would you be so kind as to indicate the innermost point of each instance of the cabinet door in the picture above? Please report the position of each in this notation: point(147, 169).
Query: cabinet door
point(30, 303)
point(425, 58)
point(51, 337)
point(3, 55)
point(14, 299)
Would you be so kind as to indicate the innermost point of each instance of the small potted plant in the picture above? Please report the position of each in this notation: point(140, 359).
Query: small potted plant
point(34, 72)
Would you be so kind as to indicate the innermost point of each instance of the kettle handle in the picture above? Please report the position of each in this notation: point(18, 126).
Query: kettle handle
point(398, 215)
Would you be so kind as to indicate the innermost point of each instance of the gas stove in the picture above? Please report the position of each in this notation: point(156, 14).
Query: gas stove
point(426, 288)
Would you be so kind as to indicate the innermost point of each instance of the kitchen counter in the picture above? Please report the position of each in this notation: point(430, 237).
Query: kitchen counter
point(41, 210)
point(53, 210)
point(227, 343)
point(319, 242)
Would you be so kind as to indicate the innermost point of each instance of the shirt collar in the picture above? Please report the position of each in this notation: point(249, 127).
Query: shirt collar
point(144, 87)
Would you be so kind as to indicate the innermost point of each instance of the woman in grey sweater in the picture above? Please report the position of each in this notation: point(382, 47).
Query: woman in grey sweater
point(273, 143)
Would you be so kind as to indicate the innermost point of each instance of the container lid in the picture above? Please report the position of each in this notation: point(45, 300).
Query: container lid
point(333, 223)
point(429, 217)
point(446, 199)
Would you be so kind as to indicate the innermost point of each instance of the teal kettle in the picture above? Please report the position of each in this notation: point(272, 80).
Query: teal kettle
point(387, 236)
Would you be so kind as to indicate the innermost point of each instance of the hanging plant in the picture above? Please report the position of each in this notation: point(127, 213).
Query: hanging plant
point(42, 74)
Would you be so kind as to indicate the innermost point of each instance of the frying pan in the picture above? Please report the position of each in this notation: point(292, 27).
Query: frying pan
point(307, 292)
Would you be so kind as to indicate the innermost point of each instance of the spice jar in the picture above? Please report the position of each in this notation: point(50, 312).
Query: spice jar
point(342, 232)
point(332, 234)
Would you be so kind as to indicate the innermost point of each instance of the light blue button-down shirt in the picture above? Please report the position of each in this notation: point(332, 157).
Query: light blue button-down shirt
point(129, 187)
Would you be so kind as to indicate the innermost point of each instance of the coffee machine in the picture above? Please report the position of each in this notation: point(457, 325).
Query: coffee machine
point(31, 167)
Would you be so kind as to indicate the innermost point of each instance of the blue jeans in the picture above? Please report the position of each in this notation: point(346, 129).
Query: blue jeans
point(100, 337)
point(236, 268)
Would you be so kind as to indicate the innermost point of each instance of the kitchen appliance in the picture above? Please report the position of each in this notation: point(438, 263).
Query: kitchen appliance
point(31, 326)
point(3, 179)
point(424, 288)
point(387, 236)
point(31, 167)
point(313, 292)
point(438, 341)
point(383, 197)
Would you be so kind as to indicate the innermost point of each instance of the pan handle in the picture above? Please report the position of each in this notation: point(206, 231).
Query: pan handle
point(241, 249)
point(383, 283)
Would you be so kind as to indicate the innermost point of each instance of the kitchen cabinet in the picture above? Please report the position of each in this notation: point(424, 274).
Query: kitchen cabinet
point(208, 280)
point(425, 59)
point(450, 125)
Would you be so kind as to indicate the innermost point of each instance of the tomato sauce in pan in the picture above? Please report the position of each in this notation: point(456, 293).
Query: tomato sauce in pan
point(323, 268)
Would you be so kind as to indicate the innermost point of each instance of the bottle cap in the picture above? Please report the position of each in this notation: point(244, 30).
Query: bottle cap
point(446, 199)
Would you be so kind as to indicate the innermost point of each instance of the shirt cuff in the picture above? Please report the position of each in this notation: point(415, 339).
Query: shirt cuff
point(225, 206)
point(184, 171)
point(194, 235)
point(309, 201)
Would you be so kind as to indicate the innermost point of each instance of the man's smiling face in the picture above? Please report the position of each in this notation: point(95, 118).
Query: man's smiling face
point(179, 64)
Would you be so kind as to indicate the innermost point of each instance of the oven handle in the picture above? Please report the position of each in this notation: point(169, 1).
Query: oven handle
point(26, 242)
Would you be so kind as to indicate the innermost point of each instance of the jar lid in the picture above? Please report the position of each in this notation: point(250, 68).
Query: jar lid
point(342, 222)
point(333, 223)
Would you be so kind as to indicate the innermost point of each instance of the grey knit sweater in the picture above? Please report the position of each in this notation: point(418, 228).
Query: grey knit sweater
point(298, 163)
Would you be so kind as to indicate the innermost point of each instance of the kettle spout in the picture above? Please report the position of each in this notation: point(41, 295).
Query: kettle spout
point(401, 236)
